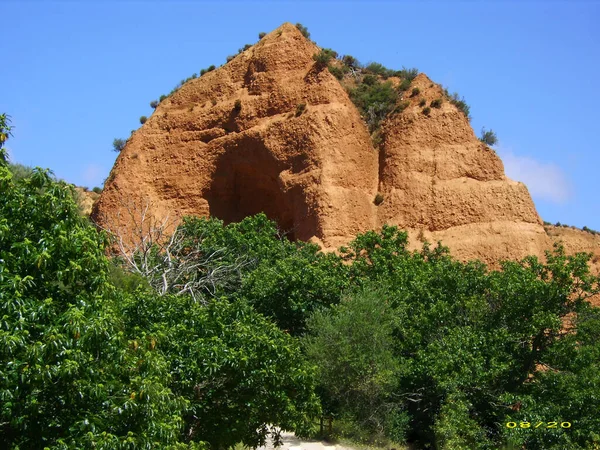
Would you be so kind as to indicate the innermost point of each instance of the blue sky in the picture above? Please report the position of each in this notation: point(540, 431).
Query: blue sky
point(77, 74)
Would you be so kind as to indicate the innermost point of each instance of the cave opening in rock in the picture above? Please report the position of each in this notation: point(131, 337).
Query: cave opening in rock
point(246, 183)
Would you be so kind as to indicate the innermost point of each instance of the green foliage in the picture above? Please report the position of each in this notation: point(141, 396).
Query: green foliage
point(460, 103)
point(20, 171)
point(352, 346)
point(401, 107)
point(378, 69)
point(337, 72)
point(415, 92)
point(404, 85)
point(237, 106)
point(300, 108)
point(437, 103)
point(97, 190)
point(261, 35)
point(322, 58)
point(422, 103)
point(374, 101)
point(241, 374)
point(378, 199)
point(407, 74)
point(469, 342)
point(154, 104)
point(244, 48)
point(69, 378)
point(143, 119)
point(303, 30)
point(119, 144)
point(212, 66)
point(289, 288)
point(161, 98)
point(229, 58)
point(350, 62)
point(427, 110)
point(488, 137)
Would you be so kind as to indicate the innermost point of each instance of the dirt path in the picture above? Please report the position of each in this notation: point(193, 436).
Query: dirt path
point(291, 442)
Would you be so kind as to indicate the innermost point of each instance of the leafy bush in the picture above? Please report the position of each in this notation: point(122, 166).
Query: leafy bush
point(230, 57)
point(404, 85)
point(119, 144)
point(322, 58)
point(353, 347)
point(437, 103)
point(244, 48)
point(459, 103)
point(142, 120)
point(350, 61)
point(374, 101)
point(154, 104)
point(261, 35)
point(237, 105)
point(427, 110)
point(97, 190)
point(401, 107)
point(407, 74)
point(378, 69)
point(211, 68)
point(162, 97)
point(488, 137)
point(20, 171)
point(370, 80)
point(303, 30)
point(63, 354)
point(422, 103)
point(300, 108)
point(415, 92)
point(202, 71)
point(378, 199)
point(337, 72)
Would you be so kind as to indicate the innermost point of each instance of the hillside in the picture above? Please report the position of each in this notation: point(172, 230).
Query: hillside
point(273, 130)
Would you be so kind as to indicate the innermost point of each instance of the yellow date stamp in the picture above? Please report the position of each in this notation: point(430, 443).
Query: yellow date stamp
point(534, 425)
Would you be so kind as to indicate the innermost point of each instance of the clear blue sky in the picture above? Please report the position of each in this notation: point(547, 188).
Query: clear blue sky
point(77, 74)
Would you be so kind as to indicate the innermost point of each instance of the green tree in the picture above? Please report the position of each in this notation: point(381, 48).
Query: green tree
point(488, 137)
point(68, 375)
point(242, 375)
point(353, 347)
point(119, 144)
point(303, 30)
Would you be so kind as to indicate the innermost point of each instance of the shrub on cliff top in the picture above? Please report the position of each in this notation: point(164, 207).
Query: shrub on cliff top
point(488, 137)
point(303, 30)
point(119, 144)
point(322, 58)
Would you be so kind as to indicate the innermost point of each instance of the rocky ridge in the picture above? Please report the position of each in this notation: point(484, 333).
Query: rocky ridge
point(272, 131)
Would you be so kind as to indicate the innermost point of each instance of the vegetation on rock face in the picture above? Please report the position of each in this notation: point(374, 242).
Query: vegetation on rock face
point(324, 56)
point(300, 108)
point(488, 137)
point(303, 30)
point(119, 144)
point(374, 100)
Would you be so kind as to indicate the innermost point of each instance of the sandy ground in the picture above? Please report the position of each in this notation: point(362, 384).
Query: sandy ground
point(291, 442)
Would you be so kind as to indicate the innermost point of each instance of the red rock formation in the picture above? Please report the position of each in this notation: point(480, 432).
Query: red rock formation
point(316, 172)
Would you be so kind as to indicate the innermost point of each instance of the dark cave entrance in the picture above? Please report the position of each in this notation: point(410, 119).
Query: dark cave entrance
point(245, 183)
